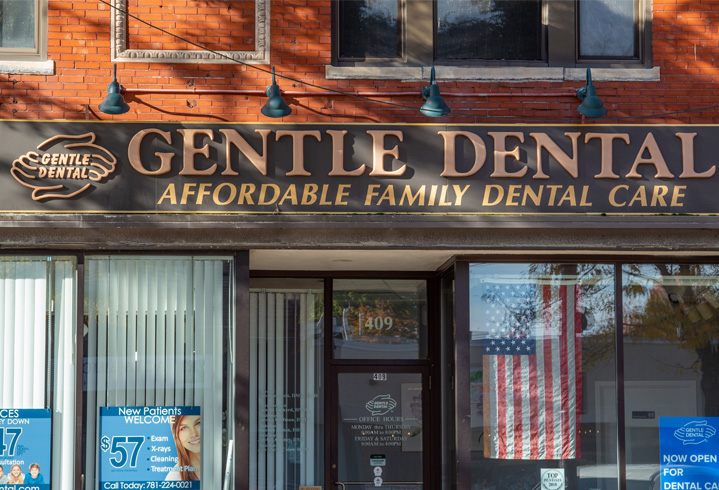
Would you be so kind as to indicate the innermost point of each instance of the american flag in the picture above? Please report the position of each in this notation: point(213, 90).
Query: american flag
point(532, 371)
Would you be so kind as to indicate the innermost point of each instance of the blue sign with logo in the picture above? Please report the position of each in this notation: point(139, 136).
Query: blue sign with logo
point(689, 453)
point(144, 448)
point(25, 436)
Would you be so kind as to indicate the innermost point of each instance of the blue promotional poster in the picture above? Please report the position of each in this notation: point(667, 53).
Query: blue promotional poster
point(689, 453)
point(145, 448)
point(25, 436)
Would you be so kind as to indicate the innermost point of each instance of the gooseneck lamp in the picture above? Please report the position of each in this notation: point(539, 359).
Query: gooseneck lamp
point(275, 105)
point(435, 106)
point(591, 105)
point(114, 103)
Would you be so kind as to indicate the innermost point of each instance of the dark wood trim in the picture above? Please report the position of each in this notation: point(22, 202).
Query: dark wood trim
point(79, 371)
point(257, 274)
point(619, 379)
point(435, 448)
point(242, 369)
point(461, 355)
point(330, 388)
point(596, 258)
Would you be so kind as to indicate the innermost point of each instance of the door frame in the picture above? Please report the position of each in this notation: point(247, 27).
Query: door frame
point(429, 419)
point(429, 366)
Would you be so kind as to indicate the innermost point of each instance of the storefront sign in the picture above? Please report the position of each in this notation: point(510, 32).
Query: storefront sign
point(150, 447)
point(263, 168)
point(25, 441)
point(689, 453)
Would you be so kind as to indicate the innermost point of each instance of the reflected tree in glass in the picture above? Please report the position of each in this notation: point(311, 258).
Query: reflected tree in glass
point(369, 29)
point(489, 29)
point(678, 305)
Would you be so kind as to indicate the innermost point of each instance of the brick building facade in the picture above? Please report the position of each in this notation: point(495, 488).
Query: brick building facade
point(356, 295)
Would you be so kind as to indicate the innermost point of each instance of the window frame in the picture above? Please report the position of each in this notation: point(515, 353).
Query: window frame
point(39, 52)
point(559, 37)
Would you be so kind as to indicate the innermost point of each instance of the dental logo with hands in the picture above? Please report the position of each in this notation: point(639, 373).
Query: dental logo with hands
point(64, 167)
point(695, 432)
point(381, 405)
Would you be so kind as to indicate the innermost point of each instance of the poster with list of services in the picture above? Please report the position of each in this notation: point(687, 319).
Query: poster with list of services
point(145, 448)
point(25, 442)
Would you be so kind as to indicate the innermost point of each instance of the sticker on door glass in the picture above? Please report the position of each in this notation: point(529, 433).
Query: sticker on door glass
point(381, 405)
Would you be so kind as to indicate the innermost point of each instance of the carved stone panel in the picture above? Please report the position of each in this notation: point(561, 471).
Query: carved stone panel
point(122, 50)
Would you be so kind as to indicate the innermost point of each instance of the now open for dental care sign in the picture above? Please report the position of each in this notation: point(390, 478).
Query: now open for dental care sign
point(689, 453)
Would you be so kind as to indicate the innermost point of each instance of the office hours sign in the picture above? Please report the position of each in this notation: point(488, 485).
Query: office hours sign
point(143, 448)
point(689, 453)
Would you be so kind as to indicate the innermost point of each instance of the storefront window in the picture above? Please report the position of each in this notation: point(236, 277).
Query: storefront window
point(286, 380)
point(542, 376)
point(159, 364)
point(671, 334)
point(379, 319)
point(37, 391)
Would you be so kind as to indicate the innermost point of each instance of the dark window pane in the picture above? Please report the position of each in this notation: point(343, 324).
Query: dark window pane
point(606, 28)
point(489, 29)
point(369, 29)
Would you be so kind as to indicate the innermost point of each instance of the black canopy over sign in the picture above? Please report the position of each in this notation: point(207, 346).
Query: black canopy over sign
point(344, 168)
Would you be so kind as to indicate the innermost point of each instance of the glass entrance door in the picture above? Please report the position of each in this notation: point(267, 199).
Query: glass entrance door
point(379, 428)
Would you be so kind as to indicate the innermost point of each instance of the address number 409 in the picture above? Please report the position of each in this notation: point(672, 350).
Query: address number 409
point(378, 323)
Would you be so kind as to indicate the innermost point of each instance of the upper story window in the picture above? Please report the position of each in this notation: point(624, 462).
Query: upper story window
point(22, 31)
point(510, 32)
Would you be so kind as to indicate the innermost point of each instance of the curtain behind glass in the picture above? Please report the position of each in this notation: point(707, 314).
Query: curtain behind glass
point(286, 414)
point(158, 335)
point(37, 311)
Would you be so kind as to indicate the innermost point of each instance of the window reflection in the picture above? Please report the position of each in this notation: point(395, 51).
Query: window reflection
point(542, 363)
point(489, 29)
point(671, 334)
point(607, 28)
point(379, 319)
point(369, 29)
point(17, 23)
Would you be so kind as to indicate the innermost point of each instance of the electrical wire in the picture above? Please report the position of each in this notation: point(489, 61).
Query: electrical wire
point(387, 103)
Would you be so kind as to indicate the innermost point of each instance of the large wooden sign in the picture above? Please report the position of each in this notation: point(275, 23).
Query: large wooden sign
point(348, 168)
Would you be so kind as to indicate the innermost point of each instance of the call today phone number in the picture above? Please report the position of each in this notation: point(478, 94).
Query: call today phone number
point(149, 485)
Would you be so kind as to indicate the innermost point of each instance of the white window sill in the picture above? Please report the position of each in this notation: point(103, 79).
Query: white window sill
point(27, 67)
point(492, 73)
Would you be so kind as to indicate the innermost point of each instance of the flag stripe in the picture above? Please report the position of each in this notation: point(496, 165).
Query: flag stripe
point(535, 384)
point(518, 406)
point(577, 359)
point(564, 369)
point(533, 408)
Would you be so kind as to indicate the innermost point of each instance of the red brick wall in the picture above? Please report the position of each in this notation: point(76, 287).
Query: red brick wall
point(685, 47)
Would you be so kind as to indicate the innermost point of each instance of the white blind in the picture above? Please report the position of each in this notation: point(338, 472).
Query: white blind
point(285, 406)
point(155, 335)
point(37, 306)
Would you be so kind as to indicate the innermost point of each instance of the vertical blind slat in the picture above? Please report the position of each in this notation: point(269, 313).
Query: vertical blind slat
point(254, 436)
